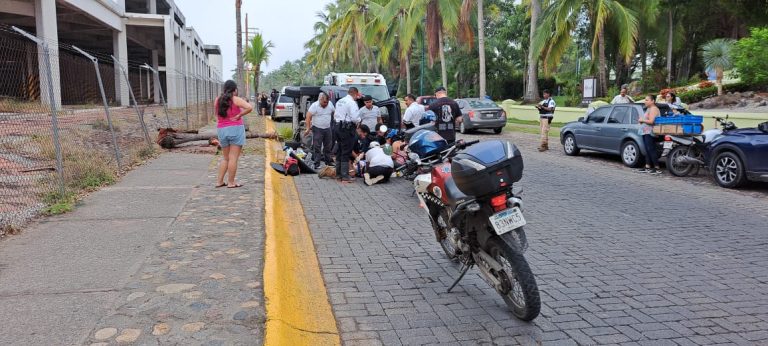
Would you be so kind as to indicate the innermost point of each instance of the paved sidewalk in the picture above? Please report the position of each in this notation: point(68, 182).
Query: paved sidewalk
point(620, 258)
point(162, 257)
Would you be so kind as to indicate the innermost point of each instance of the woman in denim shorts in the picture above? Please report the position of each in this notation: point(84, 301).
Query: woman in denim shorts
point(230, 110)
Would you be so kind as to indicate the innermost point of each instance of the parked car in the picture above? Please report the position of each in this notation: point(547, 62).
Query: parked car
point(283, 108)
point(481, 114)
point(739, 155)
point(609, 129)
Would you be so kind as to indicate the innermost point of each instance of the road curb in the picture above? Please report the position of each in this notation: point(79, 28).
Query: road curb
point(298, 309)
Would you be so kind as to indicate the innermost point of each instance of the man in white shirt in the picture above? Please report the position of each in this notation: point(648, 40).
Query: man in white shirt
point(546, 113)
point(380, 165)
point(319, 124)
point(413, 113)
point(347, 118)
point(370, 114)
point(622, 97)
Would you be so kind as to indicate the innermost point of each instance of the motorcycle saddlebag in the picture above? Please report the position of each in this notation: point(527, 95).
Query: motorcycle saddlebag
point(487, 167)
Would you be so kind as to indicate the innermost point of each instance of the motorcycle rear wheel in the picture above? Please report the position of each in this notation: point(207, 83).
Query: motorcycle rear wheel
point(522, 298)
point(441, 224)
point(680, 169)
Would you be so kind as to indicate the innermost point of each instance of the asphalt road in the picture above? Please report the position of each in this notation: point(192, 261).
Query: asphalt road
point(620, 258)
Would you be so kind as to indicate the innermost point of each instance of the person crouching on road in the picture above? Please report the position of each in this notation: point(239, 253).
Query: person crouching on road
point(347, 118)
point(318, 123)
point(231, 131)
point(380, 165)
point(546, 114)
point(362, 143)
point(646, 122)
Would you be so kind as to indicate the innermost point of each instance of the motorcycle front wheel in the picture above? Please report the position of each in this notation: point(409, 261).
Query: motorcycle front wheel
point(449, 238)
point(522, 295)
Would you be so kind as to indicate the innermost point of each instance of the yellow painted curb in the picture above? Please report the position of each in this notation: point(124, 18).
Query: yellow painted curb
point(298, 311)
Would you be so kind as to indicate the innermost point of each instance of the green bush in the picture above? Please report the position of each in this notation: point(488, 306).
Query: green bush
point(697, 95)
point(749, 57)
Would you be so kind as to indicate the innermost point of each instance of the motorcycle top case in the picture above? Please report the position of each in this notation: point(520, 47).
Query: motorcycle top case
point(487, 167)
point(426, 143)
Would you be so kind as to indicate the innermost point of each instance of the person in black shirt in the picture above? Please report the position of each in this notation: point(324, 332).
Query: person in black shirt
point(447, 113)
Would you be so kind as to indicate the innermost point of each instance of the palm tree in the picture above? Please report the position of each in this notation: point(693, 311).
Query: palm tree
point(396, 27)
point(716, 54)
point(465, 24)
point(258, 52)
point(532, 87)
point(238, 19)
point(560, 19)
point(442, 18)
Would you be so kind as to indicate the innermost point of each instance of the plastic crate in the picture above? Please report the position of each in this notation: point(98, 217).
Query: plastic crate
point(692, 129)
point(679, 120)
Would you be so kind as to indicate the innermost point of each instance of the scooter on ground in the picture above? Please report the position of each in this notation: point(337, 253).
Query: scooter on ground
point(466, 189)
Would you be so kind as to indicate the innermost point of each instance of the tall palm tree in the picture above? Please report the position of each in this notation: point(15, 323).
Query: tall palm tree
point(466, 24)
point(532, 86)
point(560, 19)
point(716, 54)
point(238, 19)
point(258, 53)
point(442, 19)
point(396, 27)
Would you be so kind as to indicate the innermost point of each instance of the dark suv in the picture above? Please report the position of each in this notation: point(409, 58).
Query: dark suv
point(739, 155)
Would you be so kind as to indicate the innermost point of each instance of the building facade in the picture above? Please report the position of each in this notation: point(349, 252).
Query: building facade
point(154, 32)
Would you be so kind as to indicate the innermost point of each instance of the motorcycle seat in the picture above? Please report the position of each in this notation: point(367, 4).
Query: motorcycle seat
point(452, 193)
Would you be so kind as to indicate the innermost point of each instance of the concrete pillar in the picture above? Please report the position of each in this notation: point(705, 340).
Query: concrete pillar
point(170, 63)
point(46, 26)
point(120, 48)
point(156, 66)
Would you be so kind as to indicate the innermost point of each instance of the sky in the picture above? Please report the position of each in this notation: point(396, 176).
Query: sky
point(287, 23)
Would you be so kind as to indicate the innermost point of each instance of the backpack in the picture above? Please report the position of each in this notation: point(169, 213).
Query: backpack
point(291, 166)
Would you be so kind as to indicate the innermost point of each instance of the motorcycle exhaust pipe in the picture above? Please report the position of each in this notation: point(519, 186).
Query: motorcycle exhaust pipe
point(687, 160)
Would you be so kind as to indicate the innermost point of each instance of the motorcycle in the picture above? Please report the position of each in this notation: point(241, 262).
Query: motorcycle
point(466, 190)
point(685, 154)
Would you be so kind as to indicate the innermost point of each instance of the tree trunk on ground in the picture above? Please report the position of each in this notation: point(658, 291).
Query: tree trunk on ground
point(239, 29)
point(408, 89)
point(443, 65)
point(169, 138)
point(603, 74)
point(669, 49)
point(532, 87)
point(481, 46)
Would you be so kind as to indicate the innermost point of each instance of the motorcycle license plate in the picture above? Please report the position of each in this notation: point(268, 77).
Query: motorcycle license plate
point(507, 220)
point(667, 145)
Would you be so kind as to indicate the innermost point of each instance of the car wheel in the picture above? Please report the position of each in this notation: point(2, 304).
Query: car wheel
point(569, 145)
point(728, 170)
point(463, 128)
point(630, 154)
point(498, 130)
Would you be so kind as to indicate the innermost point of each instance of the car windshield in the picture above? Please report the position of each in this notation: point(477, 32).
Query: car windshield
point(482, 104)
point(377, 92)
point(285, 99)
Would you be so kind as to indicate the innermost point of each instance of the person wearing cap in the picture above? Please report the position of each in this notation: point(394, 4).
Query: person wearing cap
point(447, 113)
point(380, 165)
point(413, 112)
point(347, 118)
point(546, 112)
point(369, 114)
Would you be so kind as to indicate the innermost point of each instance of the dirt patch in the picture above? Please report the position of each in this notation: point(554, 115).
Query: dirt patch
point(748, 101)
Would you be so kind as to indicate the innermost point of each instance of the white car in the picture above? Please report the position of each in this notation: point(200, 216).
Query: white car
point(283, 108)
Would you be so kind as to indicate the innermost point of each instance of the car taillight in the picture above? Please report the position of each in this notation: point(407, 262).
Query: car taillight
point(667, 138)
point(471, 114)
point(503, 114)
point(377, 81)
point(279, 107)
point(499, 202)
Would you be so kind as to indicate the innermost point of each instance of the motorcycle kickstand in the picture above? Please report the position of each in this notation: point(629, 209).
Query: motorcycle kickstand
point(464, 270)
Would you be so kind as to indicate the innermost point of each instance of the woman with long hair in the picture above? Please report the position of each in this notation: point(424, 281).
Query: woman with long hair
point(263, 103)
point(230, 110)
point(646, 128)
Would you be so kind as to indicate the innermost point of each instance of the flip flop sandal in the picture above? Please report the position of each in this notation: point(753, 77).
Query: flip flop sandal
point(222, 185)
point(234, 187)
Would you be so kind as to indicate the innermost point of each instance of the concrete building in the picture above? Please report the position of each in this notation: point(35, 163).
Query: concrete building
point(151, 31)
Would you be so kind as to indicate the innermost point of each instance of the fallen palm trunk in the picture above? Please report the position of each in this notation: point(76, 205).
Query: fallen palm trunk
point(169, 138)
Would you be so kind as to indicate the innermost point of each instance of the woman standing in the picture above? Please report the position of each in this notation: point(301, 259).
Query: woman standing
point(263, 103)
point(230, 110)
point(646, 122)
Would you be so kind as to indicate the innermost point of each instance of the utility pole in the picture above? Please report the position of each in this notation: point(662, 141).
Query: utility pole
point(245, 72)
point(238, 4)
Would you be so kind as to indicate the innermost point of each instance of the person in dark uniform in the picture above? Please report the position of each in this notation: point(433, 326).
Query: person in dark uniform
point(447, 114)
point(347, 117)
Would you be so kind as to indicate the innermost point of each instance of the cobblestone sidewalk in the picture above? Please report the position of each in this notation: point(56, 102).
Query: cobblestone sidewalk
point(202, 283)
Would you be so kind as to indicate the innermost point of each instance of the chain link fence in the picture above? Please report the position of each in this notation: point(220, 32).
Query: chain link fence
point(55, 148)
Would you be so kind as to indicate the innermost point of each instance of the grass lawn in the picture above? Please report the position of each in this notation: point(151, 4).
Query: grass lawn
point(532, 122)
